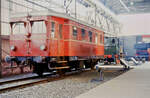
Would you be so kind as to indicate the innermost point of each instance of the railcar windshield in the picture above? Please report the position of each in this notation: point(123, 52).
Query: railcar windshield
point(18, 28)
point(38, 27)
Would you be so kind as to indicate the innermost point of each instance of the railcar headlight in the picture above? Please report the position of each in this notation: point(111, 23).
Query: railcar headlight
point(13, 48)
point(43, 47)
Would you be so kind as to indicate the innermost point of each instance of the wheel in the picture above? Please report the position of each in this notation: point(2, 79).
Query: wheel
point(81, 65)
point(87, 64)
point(61, 72)
point(38, 69)
point(49, 66)
point(40, 73)
point(92, 65)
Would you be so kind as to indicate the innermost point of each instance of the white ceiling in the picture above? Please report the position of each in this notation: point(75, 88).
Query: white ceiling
point(127, 6)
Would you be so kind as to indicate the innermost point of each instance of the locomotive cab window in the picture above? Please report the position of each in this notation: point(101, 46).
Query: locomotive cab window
point(19, 28)
point(90, 36)
point(52, 29)
point(75, 33)
point(38, 27)
point(83, 34)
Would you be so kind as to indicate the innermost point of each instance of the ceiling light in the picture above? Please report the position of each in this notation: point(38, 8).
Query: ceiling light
point(131, 3)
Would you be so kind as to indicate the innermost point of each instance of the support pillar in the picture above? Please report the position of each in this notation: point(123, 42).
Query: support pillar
point(0, 43)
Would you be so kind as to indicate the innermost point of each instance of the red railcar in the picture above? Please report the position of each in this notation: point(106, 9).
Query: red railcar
point(50, 40)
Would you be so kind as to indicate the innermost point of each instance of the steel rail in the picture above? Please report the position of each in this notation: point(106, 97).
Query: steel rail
point(35, 82)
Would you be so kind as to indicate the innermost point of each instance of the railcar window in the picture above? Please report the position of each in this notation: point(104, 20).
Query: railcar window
point(101, 39)
point(96, 38)
point(90, 36)
point(52, 29)
point(83, 34)
point(38, 27)
point(75, 33)
point(18, 28)
point(60, 30)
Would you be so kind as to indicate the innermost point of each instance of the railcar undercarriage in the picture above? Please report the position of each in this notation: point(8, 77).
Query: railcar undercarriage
point(58, 65)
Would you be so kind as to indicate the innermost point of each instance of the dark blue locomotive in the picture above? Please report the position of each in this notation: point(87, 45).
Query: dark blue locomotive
point(142, 50)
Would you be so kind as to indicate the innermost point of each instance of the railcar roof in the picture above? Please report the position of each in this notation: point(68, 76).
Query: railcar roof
point(57, 14)
point(53, 13)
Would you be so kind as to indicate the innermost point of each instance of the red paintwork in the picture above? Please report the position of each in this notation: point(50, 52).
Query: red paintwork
point(67, 46)
point(145, 36)
point(110, 56)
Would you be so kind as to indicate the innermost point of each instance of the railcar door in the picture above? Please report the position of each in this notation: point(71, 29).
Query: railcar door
point(56, 39)
point(60, 40)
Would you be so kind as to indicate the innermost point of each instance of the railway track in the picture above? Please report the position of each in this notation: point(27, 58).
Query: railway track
point(31, 81)
point(17, 80)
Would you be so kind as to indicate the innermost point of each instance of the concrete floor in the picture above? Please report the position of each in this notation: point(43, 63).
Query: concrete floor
point(132, 84)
